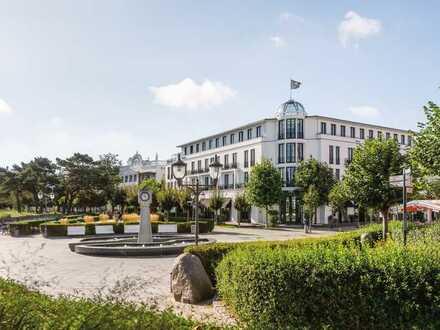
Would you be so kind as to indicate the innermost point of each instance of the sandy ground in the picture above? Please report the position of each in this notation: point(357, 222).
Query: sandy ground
point(49, 266)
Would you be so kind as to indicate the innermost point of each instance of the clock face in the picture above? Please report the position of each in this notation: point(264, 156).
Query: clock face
point(144, 196)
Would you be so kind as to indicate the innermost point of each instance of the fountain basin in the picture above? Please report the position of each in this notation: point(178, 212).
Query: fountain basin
point(128, 246)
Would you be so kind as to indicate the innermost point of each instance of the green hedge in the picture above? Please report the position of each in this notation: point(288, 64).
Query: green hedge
point(21, 308)
point(23, 228)
point(212, 254)
point(53, 229)
point(386, 287)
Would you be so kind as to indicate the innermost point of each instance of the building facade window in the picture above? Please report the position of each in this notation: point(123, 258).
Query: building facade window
point(379, 135)
point(300, 132)
point(234, 159)
point(342, 130)
point(387, 135)
point(323, 128)
point(199, 165)
point(226, 161)
point(210, 144)
point(281, 129)
point(353, 132)
point(246, 177)
point(290, 128)
point(217, 142)
point(191, 149)
point(193, 167)
point(333, 129)
point(338, 155)
point(350, 154)
point(258, 131)
point(395, 137)
point(206, 164)
point(224, 140)
point(232, 138)
point(338, 174)
point(402, 139)
point(330, 154)
point(185, 151)
point(290, 176)
point(197, 147)
point(252, 157)
point(409, 140)
point(169, 173)
point(249, 133)
point(370, 134)
point(300, 151)
point(281, 153)
point(240, 136)
point(290, 152)
point(246, 158)
point(203, 146)
point(361, 133)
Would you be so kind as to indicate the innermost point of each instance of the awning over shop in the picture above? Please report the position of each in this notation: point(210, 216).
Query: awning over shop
point(422, 205)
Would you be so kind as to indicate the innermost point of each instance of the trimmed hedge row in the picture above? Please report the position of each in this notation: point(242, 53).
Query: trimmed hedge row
point(53, 229)
point(336, 287)
point(211, 254)
point(21, 308)
point(24, 228)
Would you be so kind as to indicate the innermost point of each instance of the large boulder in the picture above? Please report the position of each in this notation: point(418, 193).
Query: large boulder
point(189, 281)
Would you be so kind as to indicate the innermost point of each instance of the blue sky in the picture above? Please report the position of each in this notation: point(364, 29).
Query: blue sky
point(120, 76)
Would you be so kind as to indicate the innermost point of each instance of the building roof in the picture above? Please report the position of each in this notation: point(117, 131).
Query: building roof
point(359, 123)
point(226, 132)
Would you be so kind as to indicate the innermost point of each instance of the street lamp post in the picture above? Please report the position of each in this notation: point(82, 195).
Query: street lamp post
point(40, 196)
point(179, 172)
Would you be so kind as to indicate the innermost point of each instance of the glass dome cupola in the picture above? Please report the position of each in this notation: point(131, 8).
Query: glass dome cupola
point(291, 108)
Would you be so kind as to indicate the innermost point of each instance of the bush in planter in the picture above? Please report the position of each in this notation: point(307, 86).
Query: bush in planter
point(272, 218)
point(53, 229)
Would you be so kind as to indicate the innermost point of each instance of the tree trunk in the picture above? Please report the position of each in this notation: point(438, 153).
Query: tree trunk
point(267, 217)
point(238, 218)
point(385, 224)
point(17, 199)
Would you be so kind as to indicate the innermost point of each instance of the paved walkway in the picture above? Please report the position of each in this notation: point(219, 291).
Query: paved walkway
point(49, 265)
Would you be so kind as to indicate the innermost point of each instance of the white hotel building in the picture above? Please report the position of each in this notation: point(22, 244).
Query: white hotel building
point(287, 139)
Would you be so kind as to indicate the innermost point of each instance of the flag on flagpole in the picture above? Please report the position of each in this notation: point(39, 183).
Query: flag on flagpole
point(294, 84)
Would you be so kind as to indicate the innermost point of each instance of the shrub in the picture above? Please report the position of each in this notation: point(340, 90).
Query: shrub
point(131, 217)
point(386, 287)
point(21, 308)
point(23, 228)
point(211, 254)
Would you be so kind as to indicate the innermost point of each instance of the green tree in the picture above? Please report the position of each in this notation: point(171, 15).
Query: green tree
point(167, 200)
point(264, 188)
point(120, 199)
point(12, 184)
point(39, 175)
point(317, 174)
point(183, 199)
point(425, 155)
point(242, 205)
point(312, 200)
point(339, 198)
point(108, 179)
point(368, 176)
point(215, 203)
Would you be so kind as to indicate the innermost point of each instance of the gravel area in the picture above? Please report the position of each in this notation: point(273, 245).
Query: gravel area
point(49, 266)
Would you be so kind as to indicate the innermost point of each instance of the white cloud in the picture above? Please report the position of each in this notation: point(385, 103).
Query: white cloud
point(354, 27)
point(4, 107)
point(364, 111)
point(189, 94)
point(278, 41)
point(286, 16)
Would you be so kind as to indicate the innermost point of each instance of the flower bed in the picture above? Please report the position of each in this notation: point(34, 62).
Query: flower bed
point(61, 228)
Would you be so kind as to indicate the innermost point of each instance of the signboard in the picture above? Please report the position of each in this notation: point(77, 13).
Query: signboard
point(131, 229)
point(76, 230)
point(105, 229)
point(171, 228)
point(397, 181)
